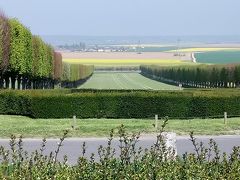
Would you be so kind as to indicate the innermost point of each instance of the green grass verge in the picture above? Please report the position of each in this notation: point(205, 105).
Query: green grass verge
point(19, 125)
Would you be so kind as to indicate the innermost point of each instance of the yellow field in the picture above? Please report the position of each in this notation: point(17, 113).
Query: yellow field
point(123, 61)
point(206, 49)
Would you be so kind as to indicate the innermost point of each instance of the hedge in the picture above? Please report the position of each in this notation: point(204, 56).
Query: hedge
point(133, 104)
point(202, 75)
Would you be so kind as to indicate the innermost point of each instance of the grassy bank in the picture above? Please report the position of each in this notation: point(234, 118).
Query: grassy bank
point(28, 127)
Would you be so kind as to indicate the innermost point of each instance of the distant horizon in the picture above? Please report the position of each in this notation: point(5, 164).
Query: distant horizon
point(127, 40)
point(211, 35)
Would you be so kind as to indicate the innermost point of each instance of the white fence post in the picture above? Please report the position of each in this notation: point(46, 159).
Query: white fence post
point(225, 117)
point(156, 121)
point(74, 122)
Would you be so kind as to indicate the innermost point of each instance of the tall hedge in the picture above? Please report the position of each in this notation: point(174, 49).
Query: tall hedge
point(25, 58)
point(20, 55)
point(58, 69)
point(36, 41)
point(75, 72)
point(120, 104)
point(196, 76)
point(4, 43)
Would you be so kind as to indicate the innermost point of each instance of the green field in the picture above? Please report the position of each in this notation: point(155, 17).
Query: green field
point(124, 81)
point(19, 125)
point(218, 57)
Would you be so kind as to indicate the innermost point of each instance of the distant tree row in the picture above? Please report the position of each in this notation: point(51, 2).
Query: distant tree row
point(26, 62)
point(117, 68)
point(75, 74)
point(204, 76)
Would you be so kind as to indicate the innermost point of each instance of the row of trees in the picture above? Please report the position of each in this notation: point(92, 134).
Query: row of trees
point(205, 76)
point(75, 74)
point(25, 60)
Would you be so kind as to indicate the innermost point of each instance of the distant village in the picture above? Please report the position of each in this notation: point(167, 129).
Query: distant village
point(82, 47)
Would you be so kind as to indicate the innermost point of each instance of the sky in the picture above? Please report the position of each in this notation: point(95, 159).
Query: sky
point(126, 17)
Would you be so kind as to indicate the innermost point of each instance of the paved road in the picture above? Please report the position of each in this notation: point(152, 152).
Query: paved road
point(72, 147)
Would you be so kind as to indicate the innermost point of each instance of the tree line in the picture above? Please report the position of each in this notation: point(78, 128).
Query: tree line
point(201, 76)
point(26, 61)
point(74, 75)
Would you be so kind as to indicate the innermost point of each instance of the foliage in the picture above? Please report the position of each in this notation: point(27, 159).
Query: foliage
point(57, 66)
point(75, 72)
point(123, 104)
point(196, 76)
point(14, 103)
point(133, 162)
point(20, 48)
point(4, 43)
point(29, 60)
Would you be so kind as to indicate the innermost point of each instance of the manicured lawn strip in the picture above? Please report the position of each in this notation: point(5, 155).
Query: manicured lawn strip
point(19, 125)
point(124, 81)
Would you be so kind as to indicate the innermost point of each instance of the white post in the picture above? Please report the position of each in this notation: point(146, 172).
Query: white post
point(156, 121)
point(74, 122)
point(4, 83)
point(225, 117)
point(21, 85)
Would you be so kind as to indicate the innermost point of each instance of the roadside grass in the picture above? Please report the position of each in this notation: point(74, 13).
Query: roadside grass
point(38, 128)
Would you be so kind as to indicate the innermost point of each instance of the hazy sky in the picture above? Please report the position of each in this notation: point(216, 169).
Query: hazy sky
point(127, 17)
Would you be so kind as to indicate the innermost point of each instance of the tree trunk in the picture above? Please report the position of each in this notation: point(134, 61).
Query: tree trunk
point(13, 81)
point(1, 82)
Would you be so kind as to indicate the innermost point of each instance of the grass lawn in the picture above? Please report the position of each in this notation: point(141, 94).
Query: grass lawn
point(124, 81)
point(28, 127)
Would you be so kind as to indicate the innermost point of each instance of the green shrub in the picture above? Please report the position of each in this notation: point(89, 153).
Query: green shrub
point(119, 104)
point(131, 162)
point(15, 103)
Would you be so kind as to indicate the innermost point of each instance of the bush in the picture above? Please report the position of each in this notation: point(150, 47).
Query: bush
point(120, 104)
point(132, 162)
point(14, 103)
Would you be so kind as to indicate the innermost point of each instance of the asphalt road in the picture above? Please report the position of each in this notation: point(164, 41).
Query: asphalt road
point(72, 147)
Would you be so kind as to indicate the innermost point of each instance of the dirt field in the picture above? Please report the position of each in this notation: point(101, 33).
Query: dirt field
point(124, 55)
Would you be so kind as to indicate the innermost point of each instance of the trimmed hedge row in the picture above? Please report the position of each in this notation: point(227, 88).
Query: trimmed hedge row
point(117, 104)
point(203, 76)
